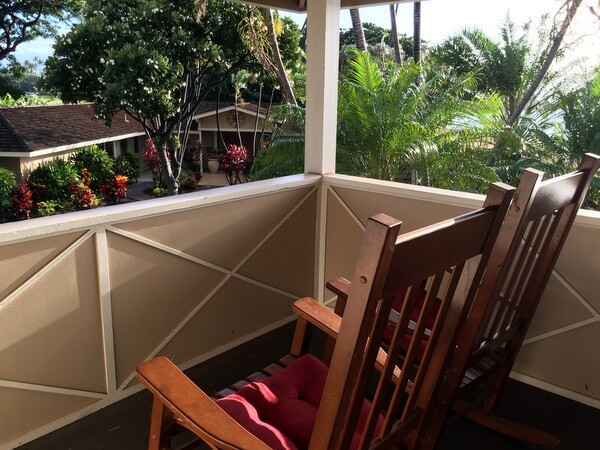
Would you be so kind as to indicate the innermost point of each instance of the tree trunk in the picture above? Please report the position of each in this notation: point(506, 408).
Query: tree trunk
point(169, 176)
point(394, 34)
point(287, 93)
point(572, 6)
point(359, 32)
point(417, 32)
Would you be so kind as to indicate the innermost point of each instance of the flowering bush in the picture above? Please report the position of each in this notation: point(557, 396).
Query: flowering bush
point(235, 164)
point(98, 163)
point(21, 199)
point(152, 159)
point(82, 195)
point(128, 164)
point(114, 189)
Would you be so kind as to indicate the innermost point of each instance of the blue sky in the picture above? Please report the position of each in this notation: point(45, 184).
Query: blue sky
point(441, 18)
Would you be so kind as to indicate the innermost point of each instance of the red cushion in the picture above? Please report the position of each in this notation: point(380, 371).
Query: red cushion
point(414, 315)
point(281, 410)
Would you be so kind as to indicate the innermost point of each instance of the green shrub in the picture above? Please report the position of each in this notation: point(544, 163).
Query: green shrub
point(7, 183)
point(48, 207)
point(100, 164)
point(129, 165)
point(188, 182)
point(52, 180)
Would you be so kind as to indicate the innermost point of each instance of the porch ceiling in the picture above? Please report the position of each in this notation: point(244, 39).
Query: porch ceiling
point(300, 5)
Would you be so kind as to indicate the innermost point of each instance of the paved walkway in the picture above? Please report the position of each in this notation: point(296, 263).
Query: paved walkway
point(208, 181)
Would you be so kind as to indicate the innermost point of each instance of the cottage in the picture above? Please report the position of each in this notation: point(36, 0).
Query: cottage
point(34, 134)
point(248, 118)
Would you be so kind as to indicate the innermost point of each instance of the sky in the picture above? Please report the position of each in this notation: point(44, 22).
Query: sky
point(442, 18)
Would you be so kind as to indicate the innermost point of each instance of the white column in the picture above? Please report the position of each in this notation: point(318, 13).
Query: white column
point(322, 54)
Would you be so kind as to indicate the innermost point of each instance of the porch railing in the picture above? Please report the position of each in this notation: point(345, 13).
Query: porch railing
point(85, 297)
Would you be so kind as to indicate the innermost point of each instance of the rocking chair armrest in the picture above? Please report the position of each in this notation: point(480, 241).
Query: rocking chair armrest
point(193, 409)
point(318, 315)
point(339, 286)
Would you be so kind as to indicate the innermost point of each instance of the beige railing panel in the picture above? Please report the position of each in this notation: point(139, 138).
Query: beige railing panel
point(87, 296)
point(563, 344)
point(561, 351)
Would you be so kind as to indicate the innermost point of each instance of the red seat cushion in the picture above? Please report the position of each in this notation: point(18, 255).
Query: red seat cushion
point(281, 410)
point(414, 316)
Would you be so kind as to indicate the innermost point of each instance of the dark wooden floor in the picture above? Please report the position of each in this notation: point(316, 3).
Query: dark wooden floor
point(124, 426)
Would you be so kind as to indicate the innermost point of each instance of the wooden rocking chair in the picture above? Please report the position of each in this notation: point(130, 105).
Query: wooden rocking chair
point(516, 275)
point(310, 403)
point(519, 268)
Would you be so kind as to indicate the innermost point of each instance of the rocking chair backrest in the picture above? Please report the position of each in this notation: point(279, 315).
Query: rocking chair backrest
point(534, 232)
point(388, 263)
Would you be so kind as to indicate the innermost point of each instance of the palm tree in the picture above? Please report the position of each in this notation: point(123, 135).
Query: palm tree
point(507, 67)
point(259, 32)
point(359, 32)
point(394, 34)
point(578, 133)
point(417, 32)
point(388, 124)
point(502, 65)
point(285, 153)
point(571, 7)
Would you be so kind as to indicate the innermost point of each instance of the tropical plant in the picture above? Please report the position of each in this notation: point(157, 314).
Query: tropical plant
point(394, 33)
point(97, 161)
point(511, 68)
point(380, 41)
point(7, 184)
point(396, 119)
point(417, 32)
point(274, 42)
point(570, 7)
point(235, 164)
point(284, 153)
point(577, 134)
point(48, 208)
point(82, 195)
point(357, 29)
point(114, 189)
point(21, 200)
point(152, 159)
point(53, 179)
point(128, 164)
point(504, 67)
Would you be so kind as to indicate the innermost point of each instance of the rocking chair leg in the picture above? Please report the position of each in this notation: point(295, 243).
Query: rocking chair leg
point(513, 429)
point(161, 426)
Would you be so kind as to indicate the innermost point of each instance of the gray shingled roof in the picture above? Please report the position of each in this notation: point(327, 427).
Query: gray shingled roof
point(34, 128)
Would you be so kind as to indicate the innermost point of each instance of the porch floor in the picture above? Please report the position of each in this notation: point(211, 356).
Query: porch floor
point(124, 426)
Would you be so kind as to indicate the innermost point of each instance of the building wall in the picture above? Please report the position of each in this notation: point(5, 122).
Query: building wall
point(22, 166)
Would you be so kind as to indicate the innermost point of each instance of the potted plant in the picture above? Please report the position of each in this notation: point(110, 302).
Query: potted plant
point(213, 162)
